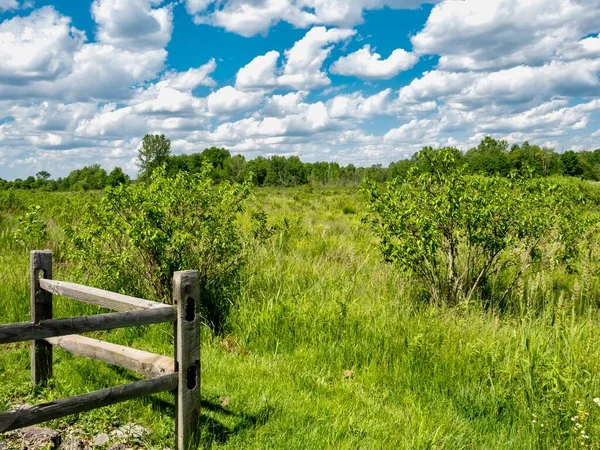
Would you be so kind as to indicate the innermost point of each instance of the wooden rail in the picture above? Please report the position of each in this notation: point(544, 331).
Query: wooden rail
point(180, 375)
point(26, 331)
point(25, 417)
point(145, 363)
point(99, 297)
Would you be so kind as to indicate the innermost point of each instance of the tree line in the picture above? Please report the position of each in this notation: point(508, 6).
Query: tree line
point(490, 157)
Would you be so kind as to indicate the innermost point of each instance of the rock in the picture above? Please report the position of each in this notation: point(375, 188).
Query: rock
point(101, 439)
point(130, 432)
point(119, 447)
point(348, 374)
point(73, 443)
point(3, 446)
point(37, 438)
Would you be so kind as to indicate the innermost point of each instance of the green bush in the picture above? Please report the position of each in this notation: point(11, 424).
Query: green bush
point(32, 231)
point(138, 235)
point(456, 231)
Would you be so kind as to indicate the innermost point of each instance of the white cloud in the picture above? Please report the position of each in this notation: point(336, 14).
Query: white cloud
point(66, 101)
point(229, 100)
point(133, 24)
point(191, 78)
point(369, 66)
point(104, 72)
point(6, 5)
point(355, 106)
point(519, 84)
point(302, 68)
point(496, 34)
point(39, 46)
point(249, 17)
point(260, 73)
point(585, 48)
point(111, 124)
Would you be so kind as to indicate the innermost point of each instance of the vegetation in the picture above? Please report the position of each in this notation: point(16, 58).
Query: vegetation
point(325, 344)
point(464, 236)
point(138, 235)
point(491, 158)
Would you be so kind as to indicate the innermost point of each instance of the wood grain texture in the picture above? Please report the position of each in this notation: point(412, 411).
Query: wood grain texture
point(186, 294)
point(41, 309)
point(26, 331)
point(80, 403)
point(148, 364)
point(99, 297)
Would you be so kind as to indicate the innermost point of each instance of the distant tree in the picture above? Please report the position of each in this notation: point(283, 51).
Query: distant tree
point(153, 153)
point(90, 177)
point(489, 157)
point(259, 167)
point(42, 174)
point(571, 165)
point(235, 167)
point(117, 177)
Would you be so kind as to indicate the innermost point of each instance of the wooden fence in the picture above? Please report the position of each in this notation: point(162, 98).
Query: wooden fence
point(181, 374)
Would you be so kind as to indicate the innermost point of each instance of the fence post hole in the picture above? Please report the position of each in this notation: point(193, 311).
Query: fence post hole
point(41, 309)
point(186, 294)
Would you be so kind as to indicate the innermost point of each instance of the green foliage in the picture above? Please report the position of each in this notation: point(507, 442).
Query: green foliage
point(140, 234)
point(153, 153)
point(11, 201)
point(117, 177)
point(91, 177)
point(328, 346)
point(455, 231)
point(32, 231)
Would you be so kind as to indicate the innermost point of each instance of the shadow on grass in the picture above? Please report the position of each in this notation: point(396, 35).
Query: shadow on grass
point(210, 428)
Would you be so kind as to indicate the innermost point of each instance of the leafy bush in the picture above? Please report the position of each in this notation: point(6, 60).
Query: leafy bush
point(138, 235)
point(10, 201)
point(456, 231)
point(32, 232)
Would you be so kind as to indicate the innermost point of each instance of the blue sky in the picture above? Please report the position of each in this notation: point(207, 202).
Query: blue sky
point(363, 82)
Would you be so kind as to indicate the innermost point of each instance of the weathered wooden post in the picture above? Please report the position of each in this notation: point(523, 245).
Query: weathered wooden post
point(186, 294)
point(41, 309)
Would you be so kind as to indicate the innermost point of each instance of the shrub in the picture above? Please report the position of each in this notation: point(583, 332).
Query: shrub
point(138, 235)
point(455, 231)
point(32, 231)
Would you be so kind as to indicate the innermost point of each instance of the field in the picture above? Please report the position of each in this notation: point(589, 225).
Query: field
point(329, 346)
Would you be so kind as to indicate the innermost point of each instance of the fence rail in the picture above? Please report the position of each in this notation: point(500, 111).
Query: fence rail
point(180, 375)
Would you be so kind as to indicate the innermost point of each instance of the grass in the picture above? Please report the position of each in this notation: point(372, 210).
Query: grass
point(328, 347)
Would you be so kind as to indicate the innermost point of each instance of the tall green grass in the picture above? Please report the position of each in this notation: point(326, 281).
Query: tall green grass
point(327, 346)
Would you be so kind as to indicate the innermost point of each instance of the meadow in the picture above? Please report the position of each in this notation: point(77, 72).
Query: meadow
point(328, 346)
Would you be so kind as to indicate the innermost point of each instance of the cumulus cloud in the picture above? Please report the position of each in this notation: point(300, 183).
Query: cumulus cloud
point(516, 85)
point(302, 68)
point(260, 73)
point(39, 46)
point(497, 34)
point(229, 100)
point(6, 5)
point(44, 57)
point(516, 70)
point(369, 66)
point(249, 17)
point(191, 78)
point(133, 24)
point(356, 106)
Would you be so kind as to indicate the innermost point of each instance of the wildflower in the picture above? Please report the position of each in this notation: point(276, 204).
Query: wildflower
point(597, 401)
